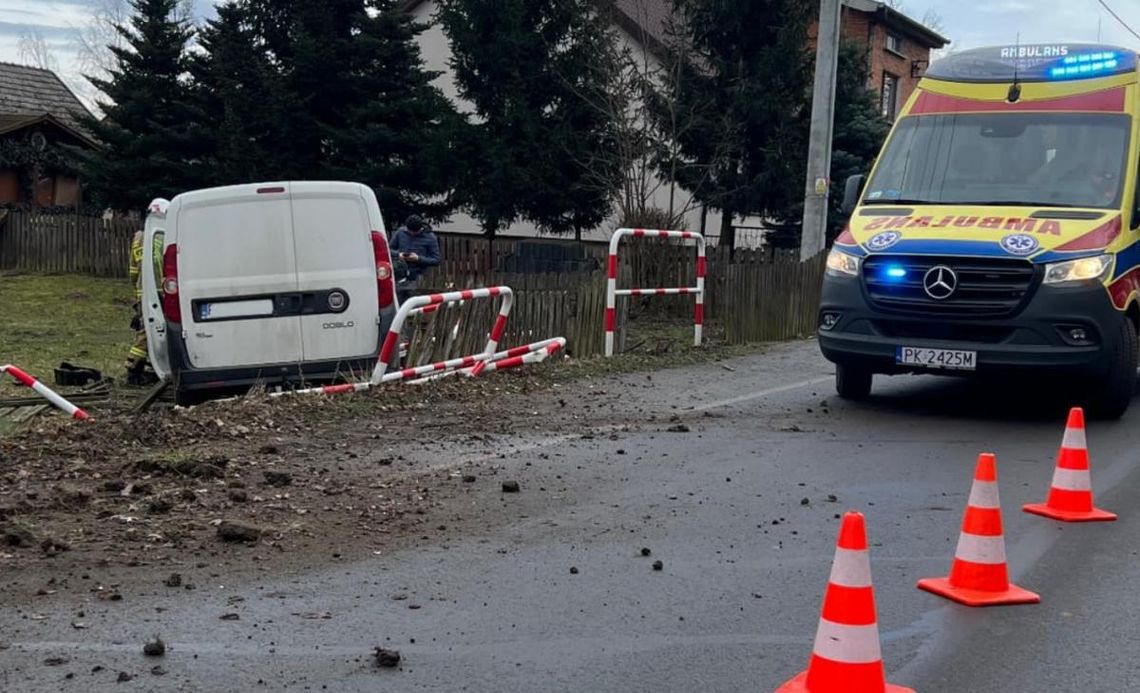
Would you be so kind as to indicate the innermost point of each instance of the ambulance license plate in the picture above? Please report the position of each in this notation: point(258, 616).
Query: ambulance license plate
point(950, 359)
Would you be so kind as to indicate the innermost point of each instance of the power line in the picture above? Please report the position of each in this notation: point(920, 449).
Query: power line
point(1117, 17)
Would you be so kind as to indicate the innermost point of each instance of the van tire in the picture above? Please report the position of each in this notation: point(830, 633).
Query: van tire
point(852, 382)
point(1113, 394)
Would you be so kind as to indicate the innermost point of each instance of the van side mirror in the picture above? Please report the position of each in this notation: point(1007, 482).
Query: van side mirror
point(851, 192)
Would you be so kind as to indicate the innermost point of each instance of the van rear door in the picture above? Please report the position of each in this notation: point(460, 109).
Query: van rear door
point(237, 271)
point(336, 271)
point(154, 239)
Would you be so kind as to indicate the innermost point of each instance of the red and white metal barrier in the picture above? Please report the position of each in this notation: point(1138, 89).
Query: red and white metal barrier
point(391, 342)
point(535, 352)
point(46, 392)
point(416, 302)
point(612, 292)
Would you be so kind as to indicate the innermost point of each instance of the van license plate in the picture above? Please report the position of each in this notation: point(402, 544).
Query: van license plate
point(230, 310)
point(950, 359)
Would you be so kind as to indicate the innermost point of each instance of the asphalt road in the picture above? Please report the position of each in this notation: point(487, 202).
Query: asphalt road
point(745, 560)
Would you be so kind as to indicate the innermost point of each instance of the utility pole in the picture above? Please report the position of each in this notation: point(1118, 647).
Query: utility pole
point(822, 126)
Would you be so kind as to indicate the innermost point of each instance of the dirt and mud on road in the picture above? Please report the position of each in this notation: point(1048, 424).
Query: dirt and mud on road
point(257, 486)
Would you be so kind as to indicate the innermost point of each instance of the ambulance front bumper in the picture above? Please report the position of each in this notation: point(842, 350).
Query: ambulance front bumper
point(1063, 329)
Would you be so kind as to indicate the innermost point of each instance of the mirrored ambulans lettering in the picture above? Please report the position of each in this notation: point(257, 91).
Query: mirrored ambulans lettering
point(1034, 51)
point(1046, 227)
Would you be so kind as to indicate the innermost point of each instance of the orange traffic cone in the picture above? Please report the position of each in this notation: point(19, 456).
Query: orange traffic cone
point(846, 657)
point(1070, 495)
point(979, 575)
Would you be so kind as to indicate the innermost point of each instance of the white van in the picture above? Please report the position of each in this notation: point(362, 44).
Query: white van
point(274, 283)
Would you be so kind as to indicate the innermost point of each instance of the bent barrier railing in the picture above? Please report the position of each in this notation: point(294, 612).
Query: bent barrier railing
point(487, 360)
point(612, 292)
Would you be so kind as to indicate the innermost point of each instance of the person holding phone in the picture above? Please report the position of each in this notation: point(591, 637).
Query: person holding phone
point(416, 245)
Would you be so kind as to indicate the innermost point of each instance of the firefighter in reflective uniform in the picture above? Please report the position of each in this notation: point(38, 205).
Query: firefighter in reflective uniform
point(137, 372)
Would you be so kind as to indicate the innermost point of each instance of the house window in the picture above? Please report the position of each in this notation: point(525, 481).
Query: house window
point(894, 44)
point(890, 95)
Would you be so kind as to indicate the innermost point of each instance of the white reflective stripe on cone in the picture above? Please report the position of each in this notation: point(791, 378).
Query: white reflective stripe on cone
point(984, 494)
point(1074, 439)
point(851, 568)
point(1072, 479)
point(976, 548)
point(847, 644)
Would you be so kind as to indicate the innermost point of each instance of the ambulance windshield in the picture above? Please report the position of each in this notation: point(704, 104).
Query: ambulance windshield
point(1031, 159)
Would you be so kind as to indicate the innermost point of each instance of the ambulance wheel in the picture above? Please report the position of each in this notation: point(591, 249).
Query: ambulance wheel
point(1111, 399)
point(852, 382)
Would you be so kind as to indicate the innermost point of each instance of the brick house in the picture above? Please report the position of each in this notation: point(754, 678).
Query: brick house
point(898, 49)
point(37, 115)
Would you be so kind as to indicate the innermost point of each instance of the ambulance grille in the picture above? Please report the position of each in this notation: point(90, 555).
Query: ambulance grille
point(987, 287)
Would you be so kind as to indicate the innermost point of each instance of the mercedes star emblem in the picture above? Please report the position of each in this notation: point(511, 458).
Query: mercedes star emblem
point(940, 282)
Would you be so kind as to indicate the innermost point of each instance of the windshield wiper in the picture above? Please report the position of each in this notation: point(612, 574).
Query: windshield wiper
point(903, 201)
point(1023, 203)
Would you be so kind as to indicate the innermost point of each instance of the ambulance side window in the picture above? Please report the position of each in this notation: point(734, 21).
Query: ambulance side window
point(1136, 206)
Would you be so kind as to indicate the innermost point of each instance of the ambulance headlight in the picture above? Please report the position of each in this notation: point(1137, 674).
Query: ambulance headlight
point(1085, 269)
point(842, 264)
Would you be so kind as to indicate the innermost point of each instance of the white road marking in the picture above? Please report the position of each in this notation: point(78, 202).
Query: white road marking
point(760, 394)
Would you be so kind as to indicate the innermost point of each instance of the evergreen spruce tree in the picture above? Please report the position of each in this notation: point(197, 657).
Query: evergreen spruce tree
point(241, 90)
point(744, 90)
point(397, 127)
point(531, 70)
point(153, 136)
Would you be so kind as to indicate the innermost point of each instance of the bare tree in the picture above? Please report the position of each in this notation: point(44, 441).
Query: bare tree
point(641, 165)
point(34, 51)
point(95, 40)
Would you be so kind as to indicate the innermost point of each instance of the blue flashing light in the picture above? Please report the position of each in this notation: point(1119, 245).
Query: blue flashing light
point(1085, 65)
point(895, 271)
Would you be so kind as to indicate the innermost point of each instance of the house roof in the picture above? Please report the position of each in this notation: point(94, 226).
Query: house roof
point(30, 91)
point(897, 20)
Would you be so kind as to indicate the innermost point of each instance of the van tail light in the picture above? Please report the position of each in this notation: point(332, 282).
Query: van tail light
point(171, 308)
point(385, 289)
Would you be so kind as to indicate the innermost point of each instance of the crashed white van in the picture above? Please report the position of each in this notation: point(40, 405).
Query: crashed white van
point(272, 283)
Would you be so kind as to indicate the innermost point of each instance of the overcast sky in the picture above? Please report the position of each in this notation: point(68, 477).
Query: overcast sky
point(968, 23)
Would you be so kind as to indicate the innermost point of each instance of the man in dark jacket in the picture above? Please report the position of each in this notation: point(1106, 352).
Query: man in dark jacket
point(416, 245)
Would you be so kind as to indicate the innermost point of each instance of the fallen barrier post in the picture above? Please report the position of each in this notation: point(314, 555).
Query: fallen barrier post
point(46, 392)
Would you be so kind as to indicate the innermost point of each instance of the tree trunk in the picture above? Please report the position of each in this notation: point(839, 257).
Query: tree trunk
point(728, 231)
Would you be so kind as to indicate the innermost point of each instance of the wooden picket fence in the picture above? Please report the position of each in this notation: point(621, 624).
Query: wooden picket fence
point(65, 243)
point(751, 295)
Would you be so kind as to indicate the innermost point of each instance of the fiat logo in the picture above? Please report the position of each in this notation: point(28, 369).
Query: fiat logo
point(940, 282)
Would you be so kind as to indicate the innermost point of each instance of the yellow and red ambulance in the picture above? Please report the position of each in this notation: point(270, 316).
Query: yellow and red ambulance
point(999, 230)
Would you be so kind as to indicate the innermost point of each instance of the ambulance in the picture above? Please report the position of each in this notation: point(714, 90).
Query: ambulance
point(276, 283)
point(999, 231)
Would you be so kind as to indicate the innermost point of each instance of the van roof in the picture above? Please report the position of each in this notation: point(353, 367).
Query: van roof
point(1034, 63)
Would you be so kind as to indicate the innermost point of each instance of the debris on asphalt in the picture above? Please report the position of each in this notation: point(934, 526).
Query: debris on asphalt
point(510, 487)
point(386, 658)
point(573, 570)
point(278, 479)
point(658, 565)
point(124, 677)
point(55, 661)
point(174, 580)
point(468, 478)
point(17, 535)
point(678, 428)
point(230, 617)
point(645, 551)
point(236, 530)
point(157, 670)
point(805, 501)
point(154, 648)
